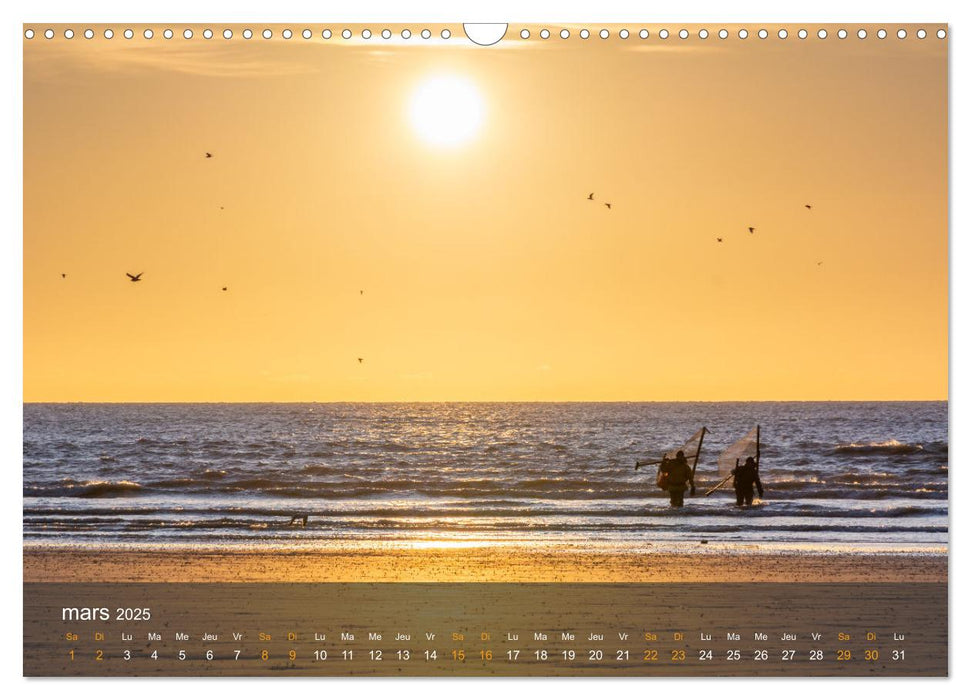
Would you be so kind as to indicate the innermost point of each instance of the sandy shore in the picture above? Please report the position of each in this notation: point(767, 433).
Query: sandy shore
point(473, 564)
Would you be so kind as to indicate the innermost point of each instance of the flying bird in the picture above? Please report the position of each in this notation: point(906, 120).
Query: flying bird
point(208, 155)
point(362, 292)
point(751, 229)
point(809, 206)
point(607, 204)
point(134, 278)
point(819, 262)
point(590, 196)
point(63, 275)
point(360, 360)
point(719, 240)
point(225, 289)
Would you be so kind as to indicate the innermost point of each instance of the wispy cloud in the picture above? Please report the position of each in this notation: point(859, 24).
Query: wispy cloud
point(219, 61)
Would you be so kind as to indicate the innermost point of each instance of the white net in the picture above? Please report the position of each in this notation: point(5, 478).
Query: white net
point(690, 448)
point(738, 452)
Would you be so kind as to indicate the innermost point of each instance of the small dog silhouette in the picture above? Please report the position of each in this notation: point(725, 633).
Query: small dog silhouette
point(295, 518)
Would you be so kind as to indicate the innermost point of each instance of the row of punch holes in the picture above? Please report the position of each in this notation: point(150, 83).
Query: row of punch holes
point(524, 34)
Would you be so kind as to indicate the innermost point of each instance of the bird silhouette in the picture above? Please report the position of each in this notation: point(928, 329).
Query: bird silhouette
point(751, 229)
point(63, 275)
point(607, 204)
point(360, 360)
point(362, 292)
point(208, 155)
point(809, 206)
point(134, 278)
point(818, 263)
point(225, 289)
point(590, 196)
point(719, 240)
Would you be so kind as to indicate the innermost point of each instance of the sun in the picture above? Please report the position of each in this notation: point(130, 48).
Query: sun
point(446, 111)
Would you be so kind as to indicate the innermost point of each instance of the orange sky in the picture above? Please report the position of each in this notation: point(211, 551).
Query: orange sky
point(487, 273)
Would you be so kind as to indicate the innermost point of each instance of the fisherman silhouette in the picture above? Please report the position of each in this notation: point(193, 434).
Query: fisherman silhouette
point(746, 477)
point(674, 475)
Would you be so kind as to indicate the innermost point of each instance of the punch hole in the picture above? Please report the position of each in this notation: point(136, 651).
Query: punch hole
point(901, 33)
point(821, 34)
point(643, 34)
point(722, 33)
point(783, 34)
point(129, 33)
point(207, 33)
point(881, 34)
point(802, 34)
point(425, 34)
point(68, 33)
point(703, 34)
point(346, 34)
point(89, 34)
point(326, 34)
point(604, 34)
point(405, 33)
point(228, 34)
point(544, 34)
point(841, 33)
point(148, 34)
point(921, 34)
point(187, 34)
point(366, 34)
point(941, 34)
point(564, 33)
point(524, 34)
point(683, 34)
point(861, 33)
point(385, 33)
point(446, 34)
point(168, 33)
point(763, 34)
point(109, 33)
point(287, 34)
point(663, 34)
point(584, 33)
point(624, 33)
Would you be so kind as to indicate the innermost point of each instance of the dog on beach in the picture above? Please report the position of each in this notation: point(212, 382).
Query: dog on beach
point(295, 518)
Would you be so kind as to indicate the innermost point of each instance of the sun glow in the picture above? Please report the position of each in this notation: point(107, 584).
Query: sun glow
point(446, 111)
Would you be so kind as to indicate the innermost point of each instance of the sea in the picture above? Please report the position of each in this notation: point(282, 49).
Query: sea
point(837, 476)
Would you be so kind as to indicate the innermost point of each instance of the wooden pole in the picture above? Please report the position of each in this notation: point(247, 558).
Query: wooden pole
point(719, 485)
point(704, 429)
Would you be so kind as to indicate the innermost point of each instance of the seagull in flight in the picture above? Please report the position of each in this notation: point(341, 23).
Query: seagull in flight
point(751, 229)
point(208, 154)
point(719, 240)
point(360, 360)
point(362, 292)
point(809, 206)
point(607, 204)
point(63, 275)
point(818, 263)
point(590, 196)
point(134, 278)
point(225, 289)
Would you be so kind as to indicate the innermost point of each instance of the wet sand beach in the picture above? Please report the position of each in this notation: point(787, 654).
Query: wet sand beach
point(473, 564)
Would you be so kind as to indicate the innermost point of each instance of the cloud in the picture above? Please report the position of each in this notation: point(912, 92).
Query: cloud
point(201, 59)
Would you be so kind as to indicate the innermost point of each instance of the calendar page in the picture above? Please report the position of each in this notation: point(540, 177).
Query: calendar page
point(485, 350)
